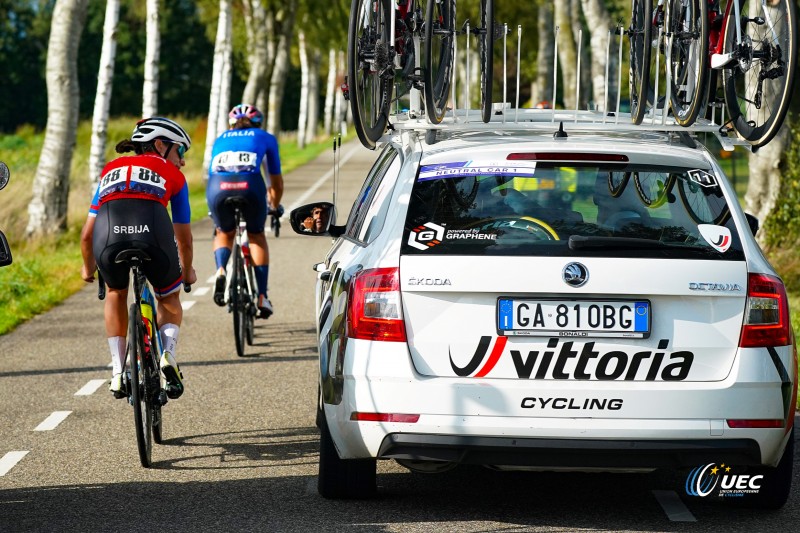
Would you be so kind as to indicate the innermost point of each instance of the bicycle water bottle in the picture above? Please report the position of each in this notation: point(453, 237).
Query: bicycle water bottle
point(148, 316)
point(246, 248)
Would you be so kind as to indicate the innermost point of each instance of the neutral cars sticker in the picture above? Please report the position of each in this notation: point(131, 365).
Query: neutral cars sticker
point(476, 168)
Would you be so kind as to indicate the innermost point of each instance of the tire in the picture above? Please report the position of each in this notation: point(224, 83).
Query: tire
point(652, 188)
point(238, 301)
point(617, 181)
point(640, 34)
point(758, 117)
point(440, 27)
point(142, 415)
point(370, 69)
point(776, 486)
point(251, 307)
point(486, 53)
point(687, 21)
point(343, 478)
point(703, 208)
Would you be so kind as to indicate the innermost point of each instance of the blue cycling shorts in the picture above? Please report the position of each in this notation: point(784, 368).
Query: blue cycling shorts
point(248, 186)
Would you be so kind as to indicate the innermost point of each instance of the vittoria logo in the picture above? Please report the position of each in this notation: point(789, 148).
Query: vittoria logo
point(233, 185)
point(426, 236)
point(575, 360)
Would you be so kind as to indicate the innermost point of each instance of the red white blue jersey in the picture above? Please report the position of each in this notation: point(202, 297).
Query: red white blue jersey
point(148, 177)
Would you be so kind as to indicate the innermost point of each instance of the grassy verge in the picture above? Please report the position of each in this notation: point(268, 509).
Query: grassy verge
point(46, 271)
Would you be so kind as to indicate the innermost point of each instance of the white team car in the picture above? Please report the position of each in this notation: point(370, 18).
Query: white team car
point(588, 302)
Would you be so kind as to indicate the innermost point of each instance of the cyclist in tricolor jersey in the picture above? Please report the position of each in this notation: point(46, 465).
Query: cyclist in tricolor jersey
point(129, 211)
point(237, 160)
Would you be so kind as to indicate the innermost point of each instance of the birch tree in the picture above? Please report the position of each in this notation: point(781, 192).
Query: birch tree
point(222, 53)
point(260, 53)
point(330, 92)
point(542, 87)
point(47, 212)
point(151, 57)
point(599, 22)
point(567, 52)
point(313, 97)
point(280, 70)
point(102, 100)
point(302, 119)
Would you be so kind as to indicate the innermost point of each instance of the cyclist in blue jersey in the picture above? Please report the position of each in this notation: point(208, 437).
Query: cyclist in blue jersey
point(237, 160)
point(129, 211)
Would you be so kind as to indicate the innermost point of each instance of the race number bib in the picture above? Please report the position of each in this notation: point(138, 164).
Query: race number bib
point(113, 181)
point(149, 182)
point(234, 162)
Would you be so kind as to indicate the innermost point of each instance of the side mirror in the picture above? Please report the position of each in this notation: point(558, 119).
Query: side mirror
point(752, 221)
point(315, 219)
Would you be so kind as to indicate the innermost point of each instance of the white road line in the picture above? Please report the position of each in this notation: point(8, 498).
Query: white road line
point(187, 305)
point(311, 190)
point(673, 506)
point(200, 291)
point(9, 460)
point(52, 421)
point(91, 387)
point(212, 279)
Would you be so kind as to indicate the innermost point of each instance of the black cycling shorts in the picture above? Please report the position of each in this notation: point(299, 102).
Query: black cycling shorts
point(143, 225)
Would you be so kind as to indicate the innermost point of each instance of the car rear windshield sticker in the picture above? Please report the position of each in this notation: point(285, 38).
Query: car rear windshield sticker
point(718, 237)
point(474, 168)
point(702, 178)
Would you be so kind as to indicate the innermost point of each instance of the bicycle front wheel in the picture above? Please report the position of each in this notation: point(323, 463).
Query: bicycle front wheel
point(687, 22)
point(370, 69)
point(142, 414)
point(440, 29)
point(486, 53)
point(640, 34)
point(758, 82)
point(238, 301)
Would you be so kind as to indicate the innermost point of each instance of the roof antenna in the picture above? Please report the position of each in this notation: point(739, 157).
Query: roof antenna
point(560, 134)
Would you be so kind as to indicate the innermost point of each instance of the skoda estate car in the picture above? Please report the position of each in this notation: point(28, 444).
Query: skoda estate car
point(580, 301)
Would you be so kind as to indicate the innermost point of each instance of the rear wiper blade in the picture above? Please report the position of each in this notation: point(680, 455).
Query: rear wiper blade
point(582, 242)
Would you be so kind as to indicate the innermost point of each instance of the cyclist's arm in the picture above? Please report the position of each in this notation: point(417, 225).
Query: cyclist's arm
point(272, 167)
point(181, 216)
point(89, 264)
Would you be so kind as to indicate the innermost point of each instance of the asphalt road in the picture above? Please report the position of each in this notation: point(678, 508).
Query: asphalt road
point(241, 447)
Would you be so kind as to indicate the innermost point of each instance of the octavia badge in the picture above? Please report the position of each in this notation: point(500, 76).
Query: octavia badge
point(575, 275)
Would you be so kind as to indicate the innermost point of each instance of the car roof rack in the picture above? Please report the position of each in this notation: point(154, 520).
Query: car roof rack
point(506, 119)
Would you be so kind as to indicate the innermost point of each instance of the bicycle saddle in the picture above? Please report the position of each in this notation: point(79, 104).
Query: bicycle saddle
point(236, 202)
point(130, 255)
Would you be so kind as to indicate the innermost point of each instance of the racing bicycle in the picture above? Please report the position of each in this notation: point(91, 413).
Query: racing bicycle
point(382, 59)
point(142, 379)
point(750, 50)
point(242, 289)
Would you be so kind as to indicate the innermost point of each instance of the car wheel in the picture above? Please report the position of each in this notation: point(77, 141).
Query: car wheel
point(343, 478)
point(776, 484)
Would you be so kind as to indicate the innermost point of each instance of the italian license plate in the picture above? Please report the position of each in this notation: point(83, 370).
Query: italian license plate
point(574, 318)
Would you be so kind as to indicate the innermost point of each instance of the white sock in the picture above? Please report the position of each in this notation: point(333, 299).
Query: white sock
point(117, 347)
point(169, 337)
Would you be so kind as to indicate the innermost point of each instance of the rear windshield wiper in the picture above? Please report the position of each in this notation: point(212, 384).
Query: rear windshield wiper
point(583, 242)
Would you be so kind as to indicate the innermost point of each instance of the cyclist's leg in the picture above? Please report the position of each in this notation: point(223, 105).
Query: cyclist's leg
point(225, 222)
point(259, 251)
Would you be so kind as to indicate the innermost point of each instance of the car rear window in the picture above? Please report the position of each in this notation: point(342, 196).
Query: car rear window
point(538, 208)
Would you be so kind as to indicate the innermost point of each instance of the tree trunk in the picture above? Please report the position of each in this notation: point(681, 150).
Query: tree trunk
point(764, 183)
point(259, 56)
point(599, 22)
point(330, 91)
point(47, 212)
point(542, 89)
point(222, 47)
point(313, 100)
point(151, 57)
point(102, 100)
point(567, 53)
point(280, 70)
point(302, 119)
point(582, 47)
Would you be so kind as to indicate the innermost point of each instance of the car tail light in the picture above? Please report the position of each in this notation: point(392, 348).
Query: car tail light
point(384, 417)
point(758, 424)
point(374, 311)
point(766, 316)
point(567, 157)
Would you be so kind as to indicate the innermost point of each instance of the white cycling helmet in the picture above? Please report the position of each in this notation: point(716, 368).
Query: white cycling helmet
point(150, 129)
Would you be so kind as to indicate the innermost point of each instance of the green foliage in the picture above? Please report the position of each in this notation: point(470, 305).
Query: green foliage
point(782, 227)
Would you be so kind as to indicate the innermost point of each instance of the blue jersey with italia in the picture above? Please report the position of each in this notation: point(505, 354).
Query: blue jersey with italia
point(242, 152)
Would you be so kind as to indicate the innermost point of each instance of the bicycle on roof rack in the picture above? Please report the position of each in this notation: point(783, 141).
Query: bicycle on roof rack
point(384, 63)
point(749, 51)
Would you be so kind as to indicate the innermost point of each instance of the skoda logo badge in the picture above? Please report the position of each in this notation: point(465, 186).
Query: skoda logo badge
point(575, 275)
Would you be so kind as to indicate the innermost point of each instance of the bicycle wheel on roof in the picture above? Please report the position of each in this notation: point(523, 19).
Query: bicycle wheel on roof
point(687, 23)
point(486, 53)
point(640, 34)
point(440, 30)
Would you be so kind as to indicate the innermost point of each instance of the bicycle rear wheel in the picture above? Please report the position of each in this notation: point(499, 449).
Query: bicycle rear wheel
point(370, 68)
point(640, 34)
point(252, 307)
point(486, 53)
point(440, 28)
point(758, 83)
point(238, 301)
point(142, 414)
point(687, 21)
point(653, 187)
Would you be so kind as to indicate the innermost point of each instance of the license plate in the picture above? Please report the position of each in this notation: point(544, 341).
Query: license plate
point(574, 318)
